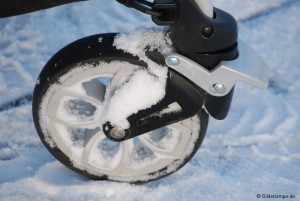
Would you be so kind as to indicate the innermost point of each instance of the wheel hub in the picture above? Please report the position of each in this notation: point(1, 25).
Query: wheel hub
point(117, 133)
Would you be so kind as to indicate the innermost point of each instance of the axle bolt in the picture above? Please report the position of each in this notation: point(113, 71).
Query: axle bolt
point(219, 88)
point(117, 133)
point(173, 61)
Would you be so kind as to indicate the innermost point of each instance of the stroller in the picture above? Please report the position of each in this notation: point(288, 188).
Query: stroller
point(135, 107)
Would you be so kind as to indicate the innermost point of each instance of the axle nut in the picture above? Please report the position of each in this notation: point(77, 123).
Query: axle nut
point(117, 133)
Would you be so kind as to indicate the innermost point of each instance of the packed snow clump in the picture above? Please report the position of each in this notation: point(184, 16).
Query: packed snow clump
point(146, 86)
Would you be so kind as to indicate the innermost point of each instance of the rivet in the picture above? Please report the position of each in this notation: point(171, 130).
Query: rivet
point(219, 88)
point(208, 31)
point(173, 61)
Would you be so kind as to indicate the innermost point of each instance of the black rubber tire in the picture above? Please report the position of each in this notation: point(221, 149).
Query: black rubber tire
point(89, 50)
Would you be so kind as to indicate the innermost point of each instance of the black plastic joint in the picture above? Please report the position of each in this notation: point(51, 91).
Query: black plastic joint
point(205, 40)
point(168, 9)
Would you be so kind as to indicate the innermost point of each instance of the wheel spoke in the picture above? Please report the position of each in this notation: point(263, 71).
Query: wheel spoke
point(155, 149)
point(118, 79)
point(178, 149)
point(120, 164)
point(75, 124)
point(59, 141)
point(79, 122)
point(88, 147)
point(126, 147)
point(185, 134)
point(74, 94)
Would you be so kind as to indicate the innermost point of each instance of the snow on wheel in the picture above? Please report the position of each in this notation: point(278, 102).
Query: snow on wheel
point(68, 105)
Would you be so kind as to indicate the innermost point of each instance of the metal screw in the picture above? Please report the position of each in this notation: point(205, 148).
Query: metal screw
point(117, 133)
point(219, 88)
point(173, 61)
point(208, 31)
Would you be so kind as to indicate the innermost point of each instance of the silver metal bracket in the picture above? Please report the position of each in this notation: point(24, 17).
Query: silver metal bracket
point(248, 67)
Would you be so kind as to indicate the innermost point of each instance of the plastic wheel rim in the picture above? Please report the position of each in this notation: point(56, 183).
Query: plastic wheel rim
point(123, 161)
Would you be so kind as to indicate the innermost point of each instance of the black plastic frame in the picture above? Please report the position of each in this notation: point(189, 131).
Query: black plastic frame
point(178, 90)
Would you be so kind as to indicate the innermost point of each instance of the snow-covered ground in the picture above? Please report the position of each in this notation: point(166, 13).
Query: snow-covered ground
point(256, 150)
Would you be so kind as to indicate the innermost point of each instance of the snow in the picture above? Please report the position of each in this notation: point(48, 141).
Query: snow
point(152, 79)
point(144, 39)
point(254, 151)
point(121, 105)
